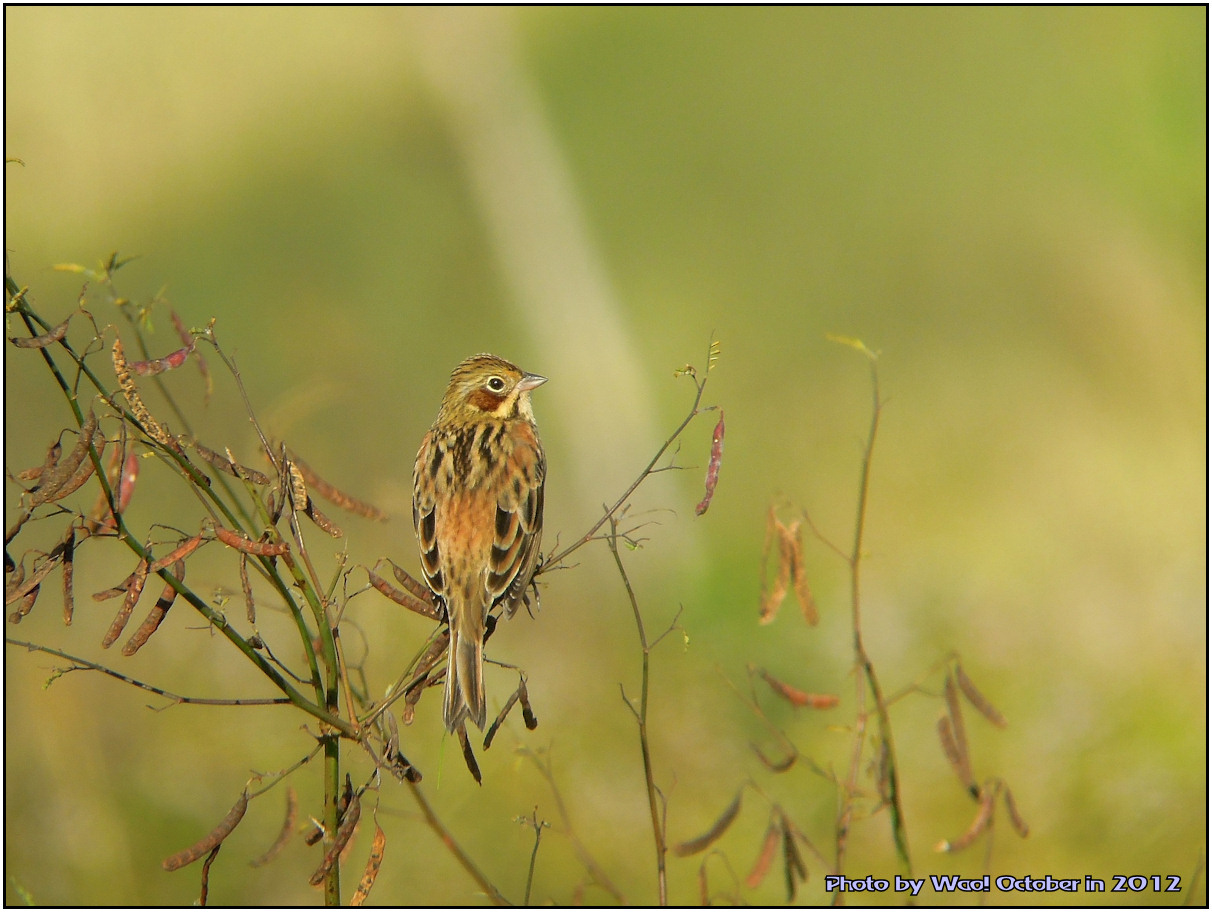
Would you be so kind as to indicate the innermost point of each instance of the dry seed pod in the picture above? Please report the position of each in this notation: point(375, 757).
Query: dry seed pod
point(26, 605)
point(247, 545)
point(793, 864)
point(713, 465)
point(797, 697)
point(156, 615)
point(171, 361)
point(780, 766)
point(188, 338)
point(54, 335)
point(799, 577)
point(69, 564)
point(106, 594)
point(772, 599)
point(761, 867)
point(469, 756)
point(983, 815)
point(53, 452)
point(959, 762)
point(288, 826)
point(718, 828)
point(957, 727)
point(53, 480)
point(179, 553)
point(133, 591)
point(21, 588)
point(228, 465)
point(496, 723)
point(977, 699)
point(250, 606)
point(298, 488)
point(349, 823)
point(1016, 821)
point(335, 495)
point(421, 605)
point(211, 840)
point(373, 863)
point(528, 715)
point(137, 407)
point(412, 585)
point(313, 513)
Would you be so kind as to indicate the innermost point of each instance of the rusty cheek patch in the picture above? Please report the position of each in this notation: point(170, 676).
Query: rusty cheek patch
point(485, 401)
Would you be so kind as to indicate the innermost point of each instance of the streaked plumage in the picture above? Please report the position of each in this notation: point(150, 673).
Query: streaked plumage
point(478, 513)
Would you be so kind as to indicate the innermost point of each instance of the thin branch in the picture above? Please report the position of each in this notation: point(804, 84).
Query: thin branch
point(867, 678)
point(658, 830)
point(79, 664)
point(650, 469)
point(448, 840)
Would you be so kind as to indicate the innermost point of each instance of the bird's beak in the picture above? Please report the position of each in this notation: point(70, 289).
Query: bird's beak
point(530, 381)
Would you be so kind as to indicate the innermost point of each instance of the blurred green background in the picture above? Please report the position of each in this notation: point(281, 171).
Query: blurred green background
point(1009, 204)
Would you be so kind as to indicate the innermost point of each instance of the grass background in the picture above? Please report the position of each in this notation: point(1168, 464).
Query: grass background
point(1010, 204)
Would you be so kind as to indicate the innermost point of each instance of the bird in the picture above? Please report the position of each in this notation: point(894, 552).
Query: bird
point(477, 509)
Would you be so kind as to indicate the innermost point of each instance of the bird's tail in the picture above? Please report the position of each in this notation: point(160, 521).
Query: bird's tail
point(464, 697)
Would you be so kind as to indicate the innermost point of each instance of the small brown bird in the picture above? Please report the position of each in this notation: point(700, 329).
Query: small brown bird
point(477, 508)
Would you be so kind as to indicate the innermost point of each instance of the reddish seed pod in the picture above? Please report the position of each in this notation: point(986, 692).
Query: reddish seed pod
point(247, 545)
point(713, 466)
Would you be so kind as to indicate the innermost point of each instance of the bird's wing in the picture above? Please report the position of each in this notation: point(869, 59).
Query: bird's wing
point(519, 524)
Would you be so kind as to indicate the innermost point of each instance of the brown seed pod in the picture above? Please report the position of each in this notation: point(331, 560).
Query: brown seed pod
point(229, 465)
point(1020, 826)
point(349, 823)
point(797, 697)
point(959, 736)
point(761, 867)
point(977, 699)
point(469, 756)
point(373, 863)
point(335, 495)
point(188, 338)
point(496, 723)
point(156, 615)
point(210, 859)
point(981, 822)
point(48, 464)
point(133, 591)
point(528, 715)
point(959, 762)
point(20, 588)
point(53, 480)
point(179, 553)
point(211, 840)
point(313, 513)
point(26, 605)
point(151, 427)
point(69, 565)
point(799, 577)
point(780, 766)
point(50, 337)
point(250, 606)
point(248, 546)
point(717, 829)
point(793, 863)
point(288, 826)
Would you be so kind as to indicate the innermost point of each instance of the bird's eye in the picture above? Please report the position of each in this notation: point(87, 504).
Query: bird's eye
point(496, 384)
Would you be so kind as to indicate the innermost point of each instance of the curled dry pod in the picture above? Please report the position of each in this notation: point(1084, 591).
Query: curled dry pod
point(717, 829)
point(212, 839)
